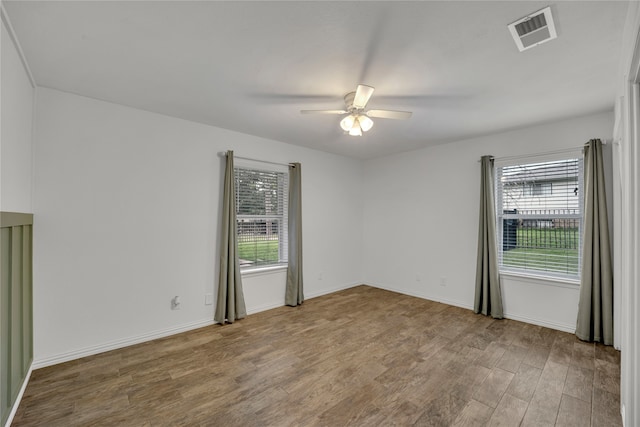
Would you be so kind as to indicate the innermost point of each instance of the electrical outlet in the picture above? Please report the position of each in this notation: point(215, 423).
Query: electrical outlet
point(175, 303)
point(320, 276)
point(418, 278)
point(443, 281)
point(208, 299)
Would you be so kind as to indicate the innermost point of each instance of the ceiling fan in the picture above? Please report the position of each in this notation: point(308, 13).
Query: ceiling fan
point(358, 120)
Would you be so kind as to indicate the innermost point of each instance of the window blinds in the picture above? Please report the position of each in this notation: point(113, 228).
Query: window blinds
point(539, 213)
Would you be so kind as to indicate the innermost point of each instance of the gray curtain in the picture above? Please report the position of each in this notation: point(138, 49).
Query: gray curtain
point(595, 310)
point(293, 294)
point(488, 299)
point(230, 305)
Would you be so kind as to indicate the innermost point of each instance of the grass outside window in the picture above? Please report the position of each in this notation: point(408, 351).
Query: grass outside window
point(546, 250)
point(258, 252)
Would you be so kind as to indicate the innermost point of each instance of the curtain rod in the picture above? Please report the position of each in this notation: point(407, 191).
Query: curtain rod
point(545, 153)
point(224, 154)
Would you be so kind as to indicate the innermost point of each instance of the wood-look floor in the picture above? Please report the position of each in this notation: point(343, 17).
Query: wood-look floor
point(363, 356)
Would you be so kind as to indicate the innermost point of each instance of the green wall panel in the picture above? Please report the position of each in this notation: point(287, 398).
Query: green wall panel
point(27, 297)
point(15, 355)
point(16, 306)
point(5, 324)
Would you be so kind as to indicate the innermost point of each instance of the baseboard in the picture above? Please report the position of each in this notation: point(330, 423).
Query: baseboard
point(265, 307)
point(539, 322)
point(322, 292)
point(308, 296)
point(113, 345)
point(101, 348)
point(547, 324)
point(447, 301)
point(14, 408)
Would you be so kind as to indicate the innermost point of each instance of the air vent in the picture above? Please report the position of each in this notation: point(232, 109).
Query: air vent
point(533, 29)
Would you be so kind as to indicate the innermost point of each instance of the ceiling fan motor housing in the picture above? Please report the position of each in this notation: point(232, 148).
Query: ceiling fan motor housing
point(348, 100)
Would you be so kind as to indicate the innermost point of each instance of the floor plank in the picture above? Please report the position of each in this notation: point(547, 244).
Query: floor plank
point(509, 412)
point(524, 383)
point(573, 412)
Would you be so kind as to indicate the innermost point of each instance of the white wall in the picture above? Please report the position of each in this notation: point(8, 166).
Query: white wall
point(127, 211)
point(421, 220)
point(15, 139)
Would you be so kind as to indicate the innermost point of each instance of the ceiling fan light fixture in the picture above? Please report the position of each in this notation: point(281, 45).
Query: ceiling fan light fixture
point(365, 123)
point(347, 123)
point(355, 130)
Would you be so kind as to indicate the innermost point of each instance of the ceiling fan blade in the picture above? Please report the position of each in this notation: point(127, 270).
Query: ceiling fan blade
point(323, 112)
point(389, 114)
point(363, 93)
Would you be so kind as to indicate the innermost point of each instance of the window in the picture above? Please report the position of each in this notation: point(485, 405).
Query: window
point(539, 217)
point(261, 214)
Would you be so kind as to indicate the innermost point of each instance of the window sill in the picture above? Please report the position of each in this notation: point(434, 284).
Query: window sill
point(543, 280)
point(256, 271)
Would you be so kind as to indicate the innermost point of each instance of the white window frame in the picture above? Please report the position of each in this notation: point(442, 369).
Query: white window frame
point(500, 216)
point(282, 218)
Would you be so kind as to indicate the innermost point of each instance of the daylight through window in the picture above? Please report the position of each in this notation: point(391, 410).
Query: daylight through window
point(539, 217)
point(261, 213)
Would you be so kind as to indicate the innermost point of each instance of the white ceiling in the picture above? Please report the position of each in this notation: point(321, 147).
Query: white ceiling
point(251, 66)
